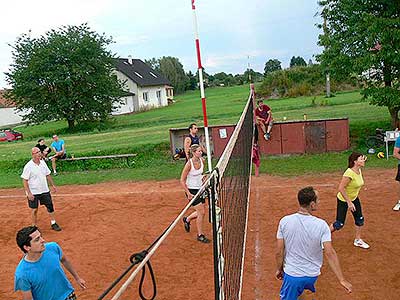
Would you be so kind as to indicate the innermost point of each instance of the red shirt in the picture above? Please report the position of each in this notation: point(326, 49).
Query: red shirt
point(264, 112)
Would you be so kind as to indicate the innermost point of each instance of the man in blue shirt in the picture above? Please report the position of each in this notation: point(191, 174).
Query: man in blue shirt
point(58, 146)
point(396, 153)
point(39, 275)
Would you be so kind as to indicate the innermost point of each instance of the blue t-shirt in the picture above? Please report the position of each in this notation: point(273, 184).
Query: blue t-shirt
point(397, 145)
point(58, 145)
point(45, 278)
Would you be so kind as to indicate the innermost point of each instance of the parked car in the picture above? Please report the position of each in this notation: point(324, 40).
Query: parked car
point(10, 135)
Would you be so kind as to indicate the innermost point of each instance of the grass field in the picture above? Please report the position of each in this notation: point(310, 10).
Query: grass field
point(147, 134)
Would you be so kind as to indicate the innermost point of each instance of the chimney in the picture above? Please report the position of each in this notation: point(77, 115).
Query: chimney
point(130, 59)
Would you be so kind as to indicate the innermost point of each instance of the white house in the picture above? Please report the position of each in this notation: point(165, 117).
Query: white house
point(8, 112)
point(145, 87)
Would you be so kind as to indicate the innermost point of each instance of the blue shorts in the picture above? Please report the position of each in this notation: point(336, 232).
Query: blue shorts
point(293, 287)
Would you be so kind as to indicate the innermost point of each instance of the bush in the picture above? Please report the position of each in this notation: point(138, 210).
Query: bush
point(300, 81)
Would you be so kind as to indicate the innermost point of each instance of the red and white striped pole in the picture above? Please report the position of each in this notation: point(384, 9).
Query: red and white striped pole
point(201, 83)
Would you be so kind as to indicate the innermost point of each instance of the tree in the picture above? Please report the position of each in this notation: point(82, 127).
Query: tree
point(362, 38)
point(271, 66)
point(64, 74)
point(297, 62)
point(192, 82)
point(172, 69)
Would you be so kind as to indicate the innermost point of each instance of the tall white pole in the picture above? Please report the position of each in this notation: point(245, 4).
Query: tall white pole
point(201, 84)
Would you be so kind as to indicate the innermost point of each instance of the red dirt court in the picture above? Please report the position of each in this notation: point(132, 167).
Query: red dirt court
point(104, 224)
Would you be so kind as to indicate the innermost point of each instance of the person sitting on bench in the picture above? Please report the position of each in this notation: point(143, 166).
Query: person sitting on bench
point(58, 146)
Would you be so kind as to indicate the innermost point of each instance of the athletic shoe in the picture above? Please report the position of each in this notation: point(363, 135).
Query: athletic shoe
point(397, 206)
point(360, 243)
point(55, 227)
point(186, 224)
point(55, 174)
point(267, 136)
point(202, 238)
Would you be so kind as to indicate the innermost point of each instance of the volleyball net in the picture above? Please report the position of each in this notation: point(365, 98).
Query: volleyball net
point(228, 187)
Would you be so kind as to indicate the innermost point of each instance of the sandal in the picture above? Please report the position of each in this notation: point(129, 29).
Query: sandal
point(186, 224)
point(202, 238)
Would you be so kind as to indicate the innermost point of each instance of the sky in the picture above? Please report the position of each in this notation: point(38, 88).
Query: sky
point(233, 34)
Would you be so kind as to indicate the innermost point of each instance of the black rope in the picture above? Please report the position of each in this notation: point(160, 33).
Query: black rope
point(135, 259)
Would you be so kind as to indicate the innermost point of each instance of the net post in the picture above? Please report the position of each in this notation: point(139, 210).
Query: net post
point(213, 199)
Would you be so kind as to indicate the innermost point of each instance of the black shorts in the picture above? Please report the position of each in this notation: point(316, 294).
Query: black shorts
point(71, 296)
point(44, 199)
point(398, 173)
point(200, 199)
point(341, 213)
point(64, 156)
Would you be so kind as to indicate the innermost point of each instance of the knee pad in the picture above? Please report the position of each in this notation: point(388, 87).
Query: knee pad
point(359, 221)
point(338, 225)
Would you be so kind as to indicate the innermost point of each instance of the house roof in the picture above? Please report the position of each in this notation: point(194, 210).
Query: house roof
point(140, 73)
point(5, 102)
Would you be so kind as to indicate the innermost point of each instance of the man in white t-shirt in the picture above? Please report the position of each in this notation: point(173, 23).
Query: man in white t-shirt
point(34, 177)
point(301, 241)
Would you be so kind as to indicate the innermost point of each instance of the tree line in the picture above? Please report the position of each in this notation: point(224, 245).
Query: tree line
point(182, 81)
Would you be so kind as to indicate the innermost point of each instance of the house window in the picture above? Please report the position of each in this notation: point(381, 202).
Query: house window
point(158, 94)
point(140, 75)
point(146, 96)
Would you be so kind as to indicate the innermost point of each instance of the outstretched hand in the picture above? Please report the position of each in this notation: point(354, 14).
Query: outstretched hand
point(279, 274)
point(81, 282)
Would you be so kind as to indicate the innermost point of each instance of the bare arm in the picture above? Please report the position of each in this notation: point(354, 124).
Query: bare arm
point(68, 265)
point(396, 152)
point(50, 180)
point(27, 295)
point(279, 257)
point(342, 189)
point(27, 189)
point(333, 261)
point(269, 117)
point(186, 146)
point(184, 175)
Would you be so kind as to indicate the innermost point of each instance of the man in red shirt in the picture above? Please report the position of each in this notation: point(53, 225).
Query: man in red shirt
point(264, 118)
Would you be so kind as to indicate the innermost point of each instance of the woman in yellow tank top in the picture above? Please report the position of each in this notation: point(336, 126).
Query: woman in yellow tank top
point(347, 197)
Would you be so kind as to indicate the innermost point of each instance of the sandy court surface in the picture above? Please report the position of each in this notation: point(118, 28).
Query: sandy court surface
point(104, 224)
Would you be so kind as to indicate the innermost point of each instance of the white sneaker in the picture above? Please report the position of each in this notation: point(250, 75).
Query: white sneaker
point(397, 206)
point(360, 243)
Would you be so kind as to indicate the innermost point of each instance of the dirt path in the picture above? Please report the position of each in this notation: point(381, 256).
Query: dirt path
point(104, 224)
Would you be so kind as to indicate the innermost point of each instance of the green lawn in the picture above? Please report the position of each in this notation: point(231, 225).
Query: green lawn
point(147, 133)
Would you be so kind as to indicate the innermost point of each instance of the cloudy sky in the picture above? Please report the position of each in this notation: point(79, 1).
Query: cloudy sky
point(230, 31)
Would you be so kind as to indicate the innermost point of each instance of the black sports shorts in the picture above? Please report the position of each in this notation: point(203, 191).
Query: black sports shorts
point(200, 199)
point(44, 199)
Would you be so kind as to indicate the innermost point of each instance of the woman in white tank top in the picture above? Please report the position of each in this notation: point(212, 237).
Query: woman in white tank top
point(191, 180)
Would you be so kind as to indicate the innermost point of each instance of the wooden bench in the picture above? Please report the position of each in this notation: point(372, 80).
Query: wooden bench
point(85, 158)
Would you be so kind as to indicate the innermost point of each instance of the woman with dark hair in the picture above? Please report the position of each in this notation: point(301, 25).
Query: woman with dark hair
point(347, 197)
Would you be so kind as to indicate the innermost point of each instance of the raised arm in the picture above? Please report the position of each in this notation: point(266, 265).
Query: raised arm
point(68, 265)
point(333, 261)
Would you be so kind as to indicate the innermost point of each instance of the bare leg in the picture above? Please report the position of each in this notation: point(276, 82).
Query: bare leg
point(307, 295)
point(34, 216)
point(269, 127)
point(200, 215)
point(192, 216)
point(53, 164)
point(52, 217)
point(358, 232)
point(262, 125)
point(332, 228)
